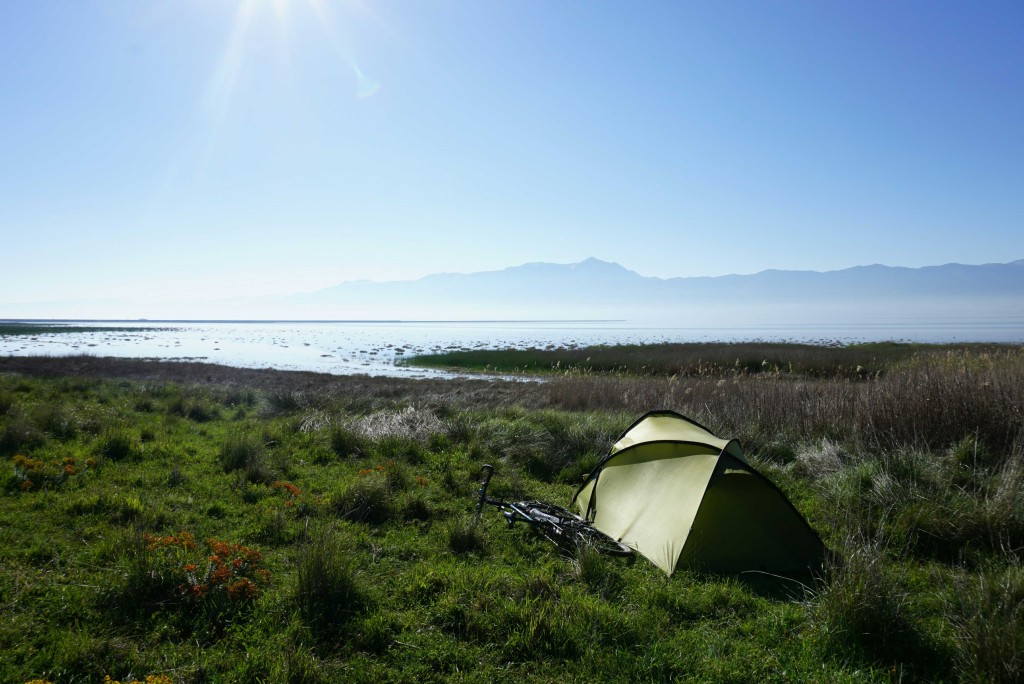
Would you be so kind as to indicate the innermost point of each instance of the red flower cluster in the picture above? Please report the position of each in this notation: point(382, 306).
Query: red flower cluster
point(27, 463)
point(292, 490)
point(183, 540)
point(35, 472)
point(232, 570)
point(243, 589)
point(378, 468)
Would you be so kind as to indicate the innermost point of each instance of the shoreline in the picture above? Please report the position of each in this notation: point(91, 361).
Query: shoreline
point(459, 390)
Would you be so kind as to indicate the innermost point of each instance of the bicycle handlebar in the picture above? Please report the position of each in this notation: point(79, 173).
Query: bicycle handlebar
point(482, 494)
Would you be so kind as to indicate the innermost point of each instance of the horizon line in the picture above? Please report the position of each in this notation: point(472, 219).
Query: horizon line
point(311, 320)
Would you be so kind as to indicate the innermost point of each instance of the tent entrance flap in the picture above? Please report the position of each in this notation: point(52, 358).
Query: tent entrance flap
point(746, 523)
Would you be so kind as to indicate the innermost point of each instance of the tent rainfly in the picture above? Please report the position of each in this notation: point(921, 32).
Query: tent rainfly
point(685, 498)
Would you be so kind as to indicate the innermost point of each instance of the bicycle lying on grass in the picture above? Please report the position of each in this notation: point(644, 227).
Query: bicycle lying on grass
point(563, 528)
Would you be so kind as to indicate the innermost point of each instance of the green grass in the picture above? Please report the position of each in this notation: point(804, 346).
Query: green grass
point(350, 513)
point(701, 359)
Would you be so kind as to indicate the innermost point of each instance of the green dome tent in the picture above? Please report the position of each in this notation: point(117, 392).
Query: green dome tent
point(683, 497)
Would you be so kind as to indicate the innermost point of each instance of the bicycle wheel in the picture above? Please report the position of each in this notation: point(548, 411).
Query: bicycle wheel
point(587, 535)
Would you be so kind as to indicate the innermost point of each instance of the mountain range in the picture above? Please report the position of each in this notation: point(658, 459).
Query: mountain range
point(595, 289)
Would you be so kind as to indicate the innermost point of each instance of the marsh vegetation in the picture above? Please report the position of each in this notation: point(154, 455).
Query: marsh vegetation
point(201, 523)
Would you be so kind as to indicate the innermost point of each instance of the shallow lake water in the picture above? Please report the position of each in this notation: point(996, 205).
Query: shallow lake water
point(373, 348)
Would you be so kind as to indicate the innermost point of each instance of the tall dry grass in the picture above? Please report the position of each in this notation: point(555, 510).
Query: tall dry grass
point(930, 402)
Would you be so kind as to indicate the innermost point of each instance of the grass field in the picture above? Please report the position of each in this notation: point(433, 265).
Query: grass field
point(192, 523)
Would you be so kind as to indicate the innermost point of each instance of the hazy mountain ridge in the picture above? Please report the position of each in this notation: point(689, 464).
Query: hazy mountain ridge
point(595, 284)
point(596, 289)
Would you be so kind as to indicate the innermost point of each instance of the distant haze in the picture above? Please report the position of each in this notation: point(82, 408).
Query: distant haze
point(595, 289)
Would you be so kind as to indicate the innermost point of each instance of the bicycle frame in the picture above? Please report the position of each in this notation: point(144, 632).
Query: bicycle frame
point(565, 529)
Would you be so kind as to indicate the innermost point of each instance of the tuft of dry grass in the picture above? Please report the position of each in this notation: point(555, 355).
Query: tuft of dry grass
point(986, 611)
point(408, 422)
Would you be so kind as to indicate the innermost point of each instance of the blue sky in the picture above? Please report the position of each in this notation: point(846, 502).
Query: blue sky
point(208, 148)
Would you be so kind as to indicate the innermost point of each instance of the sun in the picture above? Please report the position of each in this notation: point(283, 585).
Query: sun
point(327, 19)
point(330, 20)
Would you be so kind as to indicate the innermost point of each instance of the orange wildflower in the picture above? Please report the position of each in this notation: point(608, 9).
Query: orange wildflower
point(288, 487)
point(220, 548)
point(184, 540)
point(244, 588)
point(26, 463)
point(220, 575)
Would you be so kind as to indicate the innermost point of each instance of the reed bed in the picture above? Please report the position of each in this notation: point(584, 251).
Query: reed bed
point(703, 359)
point(931, 401)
